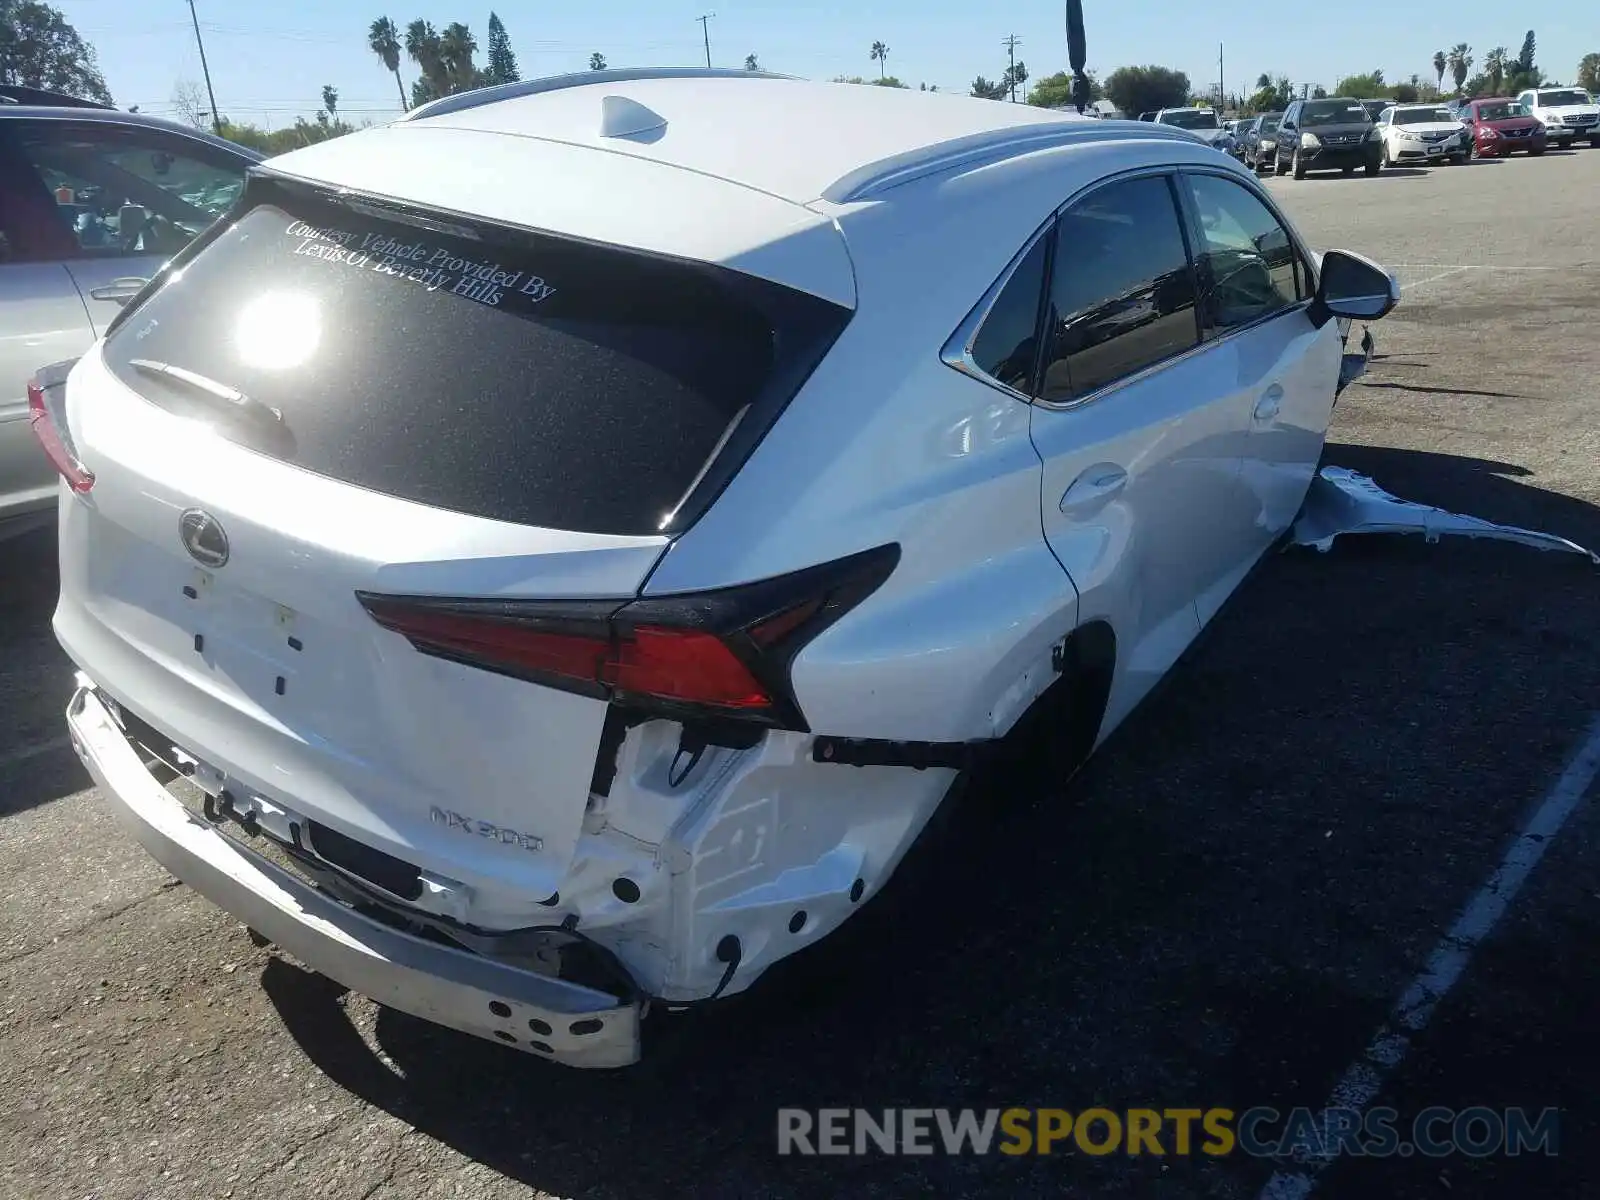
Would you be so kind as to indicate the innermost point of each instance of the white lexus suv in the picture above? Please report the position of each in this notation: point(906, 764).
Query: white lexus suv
point(550, 556)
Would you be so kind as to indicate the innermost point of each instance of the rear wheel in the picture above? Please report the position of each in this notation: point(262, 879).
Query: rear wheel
point(1299, 166)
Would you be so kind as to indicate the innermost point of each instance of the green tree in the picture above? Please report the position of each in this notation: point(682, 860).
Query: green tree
point(1460, 63)
point(1015, 77)
point(1143, 89)
point(1441, 61)
point(880, 55)
point(39, 49)
point(1589, 73)
point(502, 62)
point(985, 89)
point(1319, 92)
point(1406, 93)
point(1271, 95)
point(1525, 56)
point(330, 101)
point(597, 61)
point(750, 63)
point(1362, 87)
point(383, 39)
point(1055, 91)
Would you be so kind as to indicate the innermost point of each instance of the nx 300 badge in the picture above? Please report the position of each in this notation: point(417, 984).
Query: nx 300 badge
point(497, 833)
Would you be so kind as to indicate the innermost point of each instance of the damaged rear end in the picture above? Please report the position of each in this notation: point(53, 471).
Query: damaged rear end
point(372, 488)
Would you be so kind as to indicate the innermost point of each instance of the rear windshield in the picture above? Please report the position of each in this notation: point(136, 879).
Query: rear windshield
point(1332, 112)
point(495, 372)
point(1190, 119)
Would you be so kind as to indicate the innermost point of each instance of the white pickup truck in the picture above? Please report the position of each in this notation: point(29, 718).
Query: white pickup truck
point(1567, 114)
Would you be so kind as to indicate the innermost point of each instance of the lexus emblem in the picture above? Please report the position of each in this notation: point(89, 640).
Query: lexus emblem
point(203, 537)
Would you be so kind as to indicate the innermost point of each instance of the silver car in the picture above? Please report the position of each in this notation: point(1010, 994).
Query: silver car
point(92, 202)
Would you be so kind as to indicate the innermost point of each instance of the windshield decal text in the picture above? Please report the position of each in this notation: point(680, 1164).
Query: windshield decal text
point(430, 266)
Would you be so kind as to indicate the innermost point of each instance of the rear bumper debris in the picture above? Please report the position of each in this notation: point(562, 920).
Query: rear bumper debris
point(1341, 501)
point(553, 1018)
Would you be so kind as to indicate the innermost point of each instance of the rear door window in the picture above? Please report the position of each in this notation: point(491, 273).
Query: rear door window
point(1122, 295)
point(496, 372)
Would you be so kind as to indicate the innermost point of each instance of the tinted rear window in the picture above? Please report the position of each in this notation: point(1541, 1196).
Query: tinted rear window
point(495, 372)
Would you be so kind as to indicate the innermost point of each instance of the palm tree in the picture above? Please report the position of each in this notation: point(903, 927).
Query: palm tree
point(597, 61)
point(1263, 80)
point(1494, 65)
point(750, 63)
point(1460, 63)
point(423, 48)
point(456, 48)
point(384, 40)
point(880, 55)
point(1440, 62)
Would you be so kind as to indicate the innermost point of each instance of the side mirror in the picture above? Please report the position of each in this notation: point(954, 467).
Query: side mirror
point(1355, 287)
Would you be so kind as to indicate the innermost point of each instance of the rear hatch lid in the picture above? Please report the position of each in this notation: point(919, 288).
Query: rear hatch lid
point(342, 394)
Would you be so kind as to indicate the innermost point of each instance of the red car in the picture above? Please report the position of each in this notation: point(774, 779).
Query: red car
point(1501, 127)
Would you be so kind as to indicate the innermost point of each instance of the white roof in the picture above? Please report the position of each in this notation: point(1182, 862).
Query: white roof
point(791, 138)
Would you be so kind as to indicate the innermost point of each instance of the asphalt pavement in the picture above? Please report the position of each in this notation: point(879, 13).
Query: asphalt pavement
point(1224, 909)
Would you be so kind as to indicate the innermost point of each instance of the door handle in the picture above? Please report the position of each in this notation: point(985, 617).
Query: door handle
point(1271, 401)
point(1094, 488)
point(119, 290)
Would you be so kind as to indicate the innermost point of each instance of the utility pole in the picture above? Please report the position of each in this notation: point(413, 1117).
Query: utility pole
point(1222, 87)
point(705, 32)
point(216, 121)
point(1011, 43)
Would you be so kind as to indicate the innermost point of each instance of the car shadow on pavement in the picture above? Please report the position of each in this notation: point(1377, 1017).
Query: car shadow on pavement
point(1220, 880)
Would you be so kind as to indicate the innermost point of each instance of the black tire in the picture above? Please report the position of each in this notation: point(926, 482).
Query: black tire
point(1535, 152)
point(1372, 169)
point(1387, 161)
point(1278, 165)
point(1594, 143)
point(1347, 170)
point(1299, 166)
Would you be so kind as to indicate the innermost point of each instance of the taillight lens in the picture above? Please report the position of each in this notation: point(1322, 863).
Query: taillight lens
point(49, 427)
point(718, 654)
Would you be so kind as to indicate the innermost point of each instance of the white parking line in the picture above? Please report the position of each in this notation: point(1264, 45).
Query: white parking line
point(1408, 287)
point(1362, 1082)
point(13, 757)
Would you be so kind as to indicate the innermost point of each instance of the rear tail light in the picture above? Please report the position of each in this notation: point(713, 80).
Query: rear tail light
point(719, 654)
point(49, 423)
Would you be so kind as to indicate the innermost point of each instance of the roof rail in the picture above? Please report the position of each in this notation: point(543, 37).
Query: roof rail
point(12, 93)
point(556, 83)
point(992, 145)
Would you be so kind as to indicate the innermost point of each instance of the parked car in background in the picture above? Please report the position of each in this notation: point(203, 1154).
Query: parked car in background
point(1259, 140)
point(1567, 114)
point(639, 672)
point(1327, 135)
point(1147, 116)
point(1501, 126)
point(1202, 122)
point(1375, 108)
point(1422, 133)
point(92, 202)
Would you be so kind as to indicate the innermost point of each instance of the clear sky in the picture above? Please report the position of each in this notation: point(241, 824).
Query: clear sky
point(270, 58)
